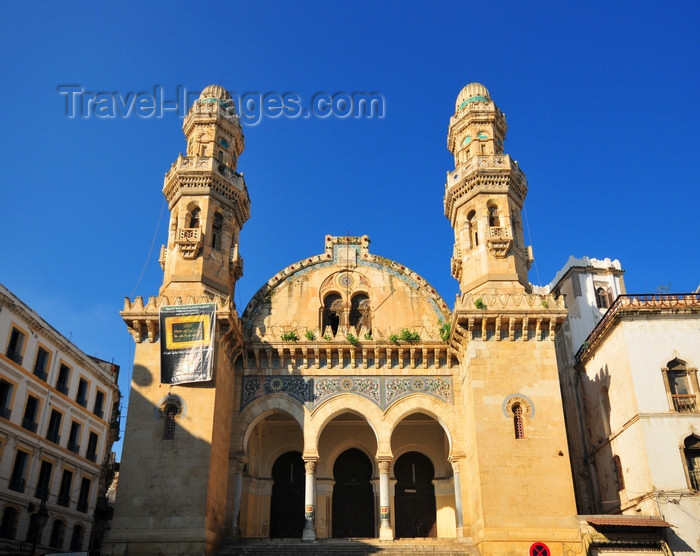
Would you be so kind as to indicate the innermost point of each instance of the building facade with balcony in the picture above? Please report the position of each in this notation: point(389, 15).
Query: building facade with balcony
point(633, 418)
point(58, 419)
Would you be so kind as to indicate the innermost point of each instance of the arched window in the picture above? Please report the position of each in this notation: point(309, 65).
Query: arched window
point(360, 312)
point(473, 234)
point(518, 424)
point(619, 477)
point(57, 533)
point(170, 412)
point(332, 312)
point(216, 231)
point(34, 529)
point(601, 298)
point(194, 218)
point(679, 385)
point(605, 409)
point(692, 460)
point(76, 539)
point(494, 219)
point(8, 528)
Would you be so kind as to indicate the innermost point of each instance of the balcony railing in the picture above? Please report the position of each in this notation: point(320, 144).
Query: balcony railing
point(99, 413)
point(92, 456)
point(81, 401)
point(82, 506)
point(41, 375)
point(5, 412)
point(685, 403)
point(41, 492)
point(53, 436)
point(73, 447)
point(29, 425)
point(15, 356)
point(16, 484)
point(63, 500)
point(62, 388)
point(695, 478)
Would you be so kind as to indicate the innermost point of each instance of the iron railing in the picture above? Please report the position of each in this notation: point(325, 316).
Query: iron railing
point(684, 403)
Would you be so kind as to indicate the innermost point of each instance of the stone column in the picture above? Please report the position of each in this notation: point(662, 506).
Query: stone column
point(309, 533)
point(240, 464)
point(385, 531)
point(458, 496)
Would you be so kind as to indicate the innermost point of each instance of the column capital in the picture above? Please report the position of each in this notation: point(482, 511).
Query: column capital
point(384, 465)
point(310, 465)
point(240, 463)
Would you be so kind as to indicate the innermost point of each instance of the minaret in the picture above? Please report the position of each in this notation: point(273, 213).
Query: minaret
point(484, 198)
point(208, 202)
point(174, 475)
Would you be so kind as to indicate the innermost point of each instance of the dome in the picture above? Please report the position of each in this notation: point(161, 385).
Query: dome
point(471, 93)
point(215, 91)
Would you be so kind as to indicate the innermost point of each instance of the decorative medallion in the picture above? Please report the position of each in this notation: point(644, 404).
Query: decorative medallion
point(345, 280)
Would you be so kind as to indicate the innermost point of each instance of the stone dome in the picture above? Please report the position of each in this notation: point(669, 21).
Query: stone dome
point(215, 91)
point(471, 93)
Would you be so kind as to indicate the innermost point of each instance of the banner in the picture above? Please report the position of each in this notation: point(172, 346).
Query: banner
point(187, 343)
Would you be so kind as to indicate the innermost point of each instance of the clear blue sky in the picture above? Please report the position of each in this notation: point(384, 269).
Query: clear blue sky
point(601, 100)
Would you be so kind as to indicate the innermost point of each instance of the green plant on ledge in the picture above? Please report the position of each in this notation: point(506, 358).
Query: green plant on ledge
point(352, 339)
point(545, 303)
point(479, 303)
point(309, 335)
point(327, 338)
point(393, 338)
point(445, 328)
point(368, 336)
point(290, 336)
point(408, 336)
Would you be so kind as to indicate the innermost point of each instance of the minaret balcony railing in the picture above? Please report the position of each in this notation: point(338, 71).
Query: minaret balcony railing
point(189, 240)
point(502, 233)
point(483, 162)
point(206, 164)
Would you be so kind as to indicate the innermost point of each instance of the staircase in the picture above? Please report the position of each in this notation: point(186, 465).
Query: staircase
point(348, 547)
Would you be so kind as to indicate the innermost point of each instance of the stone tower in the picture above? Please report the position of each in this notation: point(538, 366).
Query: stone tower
point(484, 198)
point(174, 471)
point(517, 487)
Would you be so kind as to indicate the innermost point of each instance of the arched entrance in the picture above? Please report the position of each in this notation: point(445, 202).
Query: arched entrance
point(287, 504)
point(415, 496)
point(353, 499)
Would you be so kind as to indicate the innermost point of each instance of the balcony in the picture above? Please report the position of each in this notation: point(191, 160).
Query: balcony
point(14, 356)
point(5, 413)
point(73, 447)
point(91, 456)
point(41, 375)
point(82, 506)
point(695, 478)
point(62, 388)
point(685, 403)
point(81, 401)
point(41, 492)
point(17, 484)
point(53, 436)
point(29, 424)
point(99, 413)
point(63, 500)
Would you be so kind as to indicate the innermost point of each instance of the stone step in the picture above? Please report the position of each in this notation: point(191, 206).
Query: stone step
point(347, 547)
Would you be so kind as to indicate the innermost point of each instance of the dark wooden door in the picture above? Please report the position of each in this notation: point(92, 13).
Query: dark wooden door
point(414, 498)
point(287, 505)
point(353, 499)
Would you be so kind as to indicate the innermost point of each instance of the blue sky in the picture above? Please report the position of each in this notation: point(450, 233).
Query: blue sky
point(600, 99)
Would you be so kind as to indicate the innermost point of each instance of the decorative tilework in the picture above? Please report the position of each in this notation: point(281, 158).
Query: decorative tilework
point(312, 391)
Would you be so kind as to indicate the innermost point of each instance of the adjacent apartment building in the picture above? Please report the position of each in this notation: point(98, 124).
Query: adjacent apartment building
point(59, 411)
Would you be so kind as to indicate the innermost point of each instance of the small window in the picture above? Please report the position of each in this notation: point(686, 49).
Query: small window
point(518, 424)
point(98, 408)
point(76, 540)
point(64, 490)
point(74, 438)
point(5, 399)
point(30, 413)
point(494, 218)
point(84, 495)
point(8, 527)
point(81, 398)
point(473, 234)
point(216, 231)
point(601, 298)
point(619, 477)
point(43, 483)
point(53, 432)
point(41, 363)
point(194, 218)
point(15, 347)
point(57, 532)
point(63, 378)
point(171, 410)
point(91, 452)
